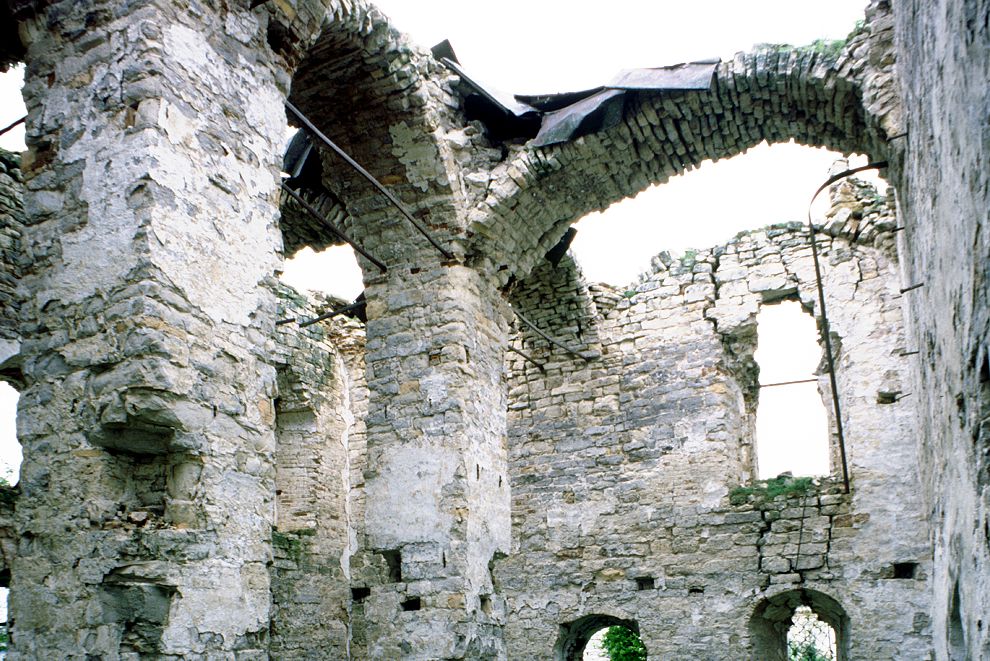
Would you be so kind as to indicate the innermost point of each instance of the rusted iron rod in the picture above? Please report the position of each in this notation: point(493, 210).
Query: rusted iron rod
point(367, 175)
point(333, 228)
point(10, 126)
point(787, 383)
point(551, 340)
point(528, 357)
point(825, 327)
point(912, 287)
point(332, 313)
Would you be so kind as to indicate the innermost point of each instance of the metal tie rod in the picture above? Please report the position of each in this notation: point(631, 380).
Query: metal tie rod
point(333, 228)
point(15, 123)
point(787, 383)
point(367, 175)
point(333, 313)
point(551, 340)
point(527, 357)
point(821, 303)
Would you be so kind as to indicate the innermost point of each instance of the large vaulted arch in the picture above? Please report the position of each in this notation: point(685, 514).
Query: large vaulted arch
point(386, 103)
point(815, 95)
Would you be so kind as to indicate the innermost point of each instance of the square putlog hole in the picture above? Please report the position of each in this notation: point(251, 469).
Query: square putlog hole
point(645, 583)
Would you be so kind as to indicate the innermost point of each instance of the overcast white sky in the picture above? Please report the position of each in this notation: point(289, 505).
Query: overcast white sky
point(533, 46)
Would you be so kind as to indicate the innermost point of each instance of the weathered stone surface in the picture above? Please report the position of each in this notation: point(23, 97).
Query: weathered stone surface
point(147, 259)
point(199, 483)
point(621, 467)
point(943, 187)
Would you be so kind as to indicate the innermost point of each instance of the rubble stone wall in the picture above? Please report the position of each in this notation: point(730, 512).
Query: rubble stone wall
point(150, 242)
point(313, 535)
point(11, 227)
point(622, 466)
point(421, 494)
point(943, 185)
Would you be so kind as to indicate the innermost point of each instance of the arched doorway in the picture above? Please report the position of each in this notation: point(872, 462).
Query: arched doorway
point(804, 625)
point(574, 636)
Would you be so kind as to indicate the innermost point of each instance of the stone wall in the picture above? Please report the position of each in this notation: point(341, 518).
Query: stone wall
point(313, 535)
point(145, 518)
point(171, 507)
point(943, 189)
point(11, 228)
point(622, 466)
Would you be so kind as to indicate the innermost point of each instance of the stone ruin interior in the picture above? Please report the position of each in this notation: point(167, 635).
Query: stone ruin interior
point(491, 458)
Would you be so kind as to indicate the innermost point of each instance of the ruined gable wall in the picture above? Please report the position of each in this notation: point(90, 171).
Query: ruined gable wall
point(943, 184)
point(621, 467)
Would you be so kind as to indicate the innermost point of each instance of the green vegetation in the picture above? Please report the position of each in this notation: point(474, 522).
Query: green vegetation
point(622, 644)
point(7, 492)
point(291, 542)
point(764, 490)
point(805, 652)
point(829, 47)
point(629, 293)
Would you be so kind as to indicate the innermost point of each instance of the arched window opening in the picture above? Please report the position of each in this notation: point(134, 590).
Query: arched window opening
point(809, 638)
point(615, 643)
point(791, 419)
point(583, 639)
point(799, 625)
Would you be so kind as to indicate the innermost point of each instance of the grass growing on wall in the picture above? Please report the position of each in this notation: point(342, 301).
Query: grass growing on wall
point(766, 490)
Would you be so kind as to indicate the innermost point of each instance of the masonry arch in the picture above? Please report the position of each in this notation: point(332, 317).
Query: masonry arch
point(772, 95)
point(574, 636)
point(374, 94)
point(774, 616)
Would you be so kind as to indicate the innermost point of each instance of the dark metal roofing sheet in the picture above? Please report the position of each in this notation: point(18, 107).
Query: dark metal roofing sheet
point(594, 113)
point(688, 76)
point(556, 118)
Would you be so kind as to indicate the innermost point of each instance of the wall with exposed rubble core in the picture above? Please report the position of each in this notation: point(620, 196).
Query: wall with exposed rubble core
point(943, 183)
point(623, 466)
point(201, 483)
point(318, 423)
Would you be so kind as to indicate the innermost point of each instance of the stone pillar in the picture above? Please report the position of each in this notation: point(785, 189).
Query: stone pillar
point(145, 519)
point(437, 484)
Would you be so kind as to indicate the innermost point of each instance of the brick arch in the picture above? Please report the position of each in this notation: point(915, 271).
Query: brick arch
point(774, 94)
point(574, 636)
point(377, 96)
point(771, 620)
